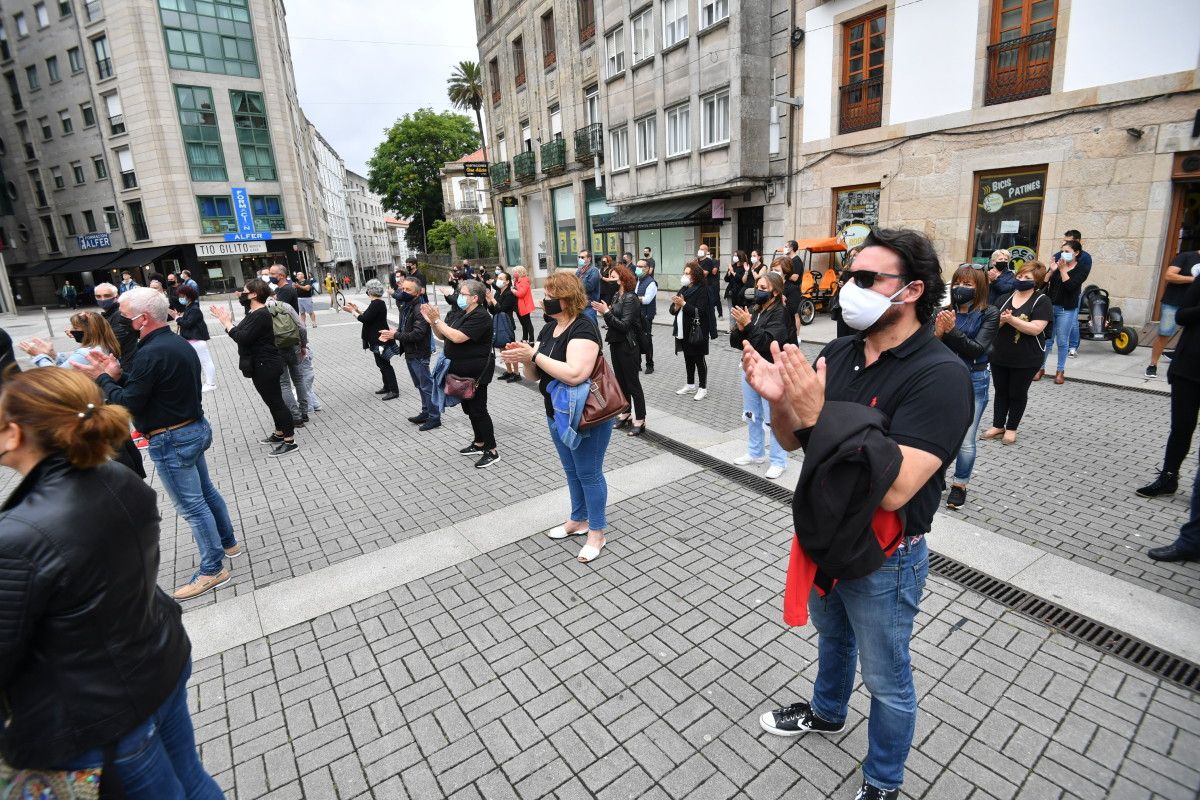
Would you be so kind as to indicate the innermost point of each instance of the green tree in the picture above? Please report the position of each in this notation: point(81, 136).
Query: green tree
point(472, 238)
point(465, 89)
point(404, 168)
point(441, 233)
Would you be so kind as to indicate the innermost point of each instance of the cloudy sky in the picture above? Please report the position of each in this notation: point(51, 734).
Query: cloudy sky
point(361, 67)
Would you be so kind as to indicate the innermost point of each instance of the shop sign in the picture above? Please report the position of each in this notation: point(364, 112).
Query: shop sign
point(508, 202)
point(258, 236)
point(93, 241)
point(242, 211)
point(218, 249)
point(476, 169)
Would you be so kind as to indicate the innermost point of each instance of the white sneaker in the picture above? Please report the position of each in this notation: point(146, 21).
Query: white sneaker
point(1072, 353)
point(773, 472)
point(747, 460)
point(691, 387)
point(209, 388)
point(700, 395)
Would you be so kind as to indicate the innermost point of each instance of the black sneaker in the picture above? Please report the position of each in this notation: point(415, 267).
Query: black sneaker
point(958, 496)
point(869, 792)
point(649, 369)
point(298, 423)
point(283, 448)
point(797, 719)
point(430, 424)
point(418, 419)
point(471, 450)
point(381, 391)
point(486, 460)
point(1165, 483)
point(304, 418)
point(1169, 355)
point(272, 439)
point(1152, 371)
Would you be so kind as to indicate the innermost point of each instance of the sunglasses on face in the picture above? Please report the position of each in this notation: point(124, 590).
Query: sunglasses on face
point(865, 278)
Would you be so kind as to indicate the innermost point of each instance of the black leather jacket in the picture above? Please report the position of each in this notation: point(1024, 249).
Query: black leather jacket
point(90, 646)
point(624, 321)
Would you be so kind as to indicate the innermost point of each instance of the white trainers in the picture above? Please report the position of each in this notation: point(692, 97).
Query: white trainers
point(773, 472)
point(691, 387)
point(747, 460)
point(700, 395)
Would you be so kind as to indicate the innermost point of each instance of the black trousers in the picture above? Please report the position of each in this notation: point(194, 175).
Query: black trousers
point(715, 308)
point(694, 364)
point(481, 421)
point(388, 372)
point(648, 342)
point(266, 383)
point(1012, 394)
point(625, 367)
point(526, 327)
point(1185, 406)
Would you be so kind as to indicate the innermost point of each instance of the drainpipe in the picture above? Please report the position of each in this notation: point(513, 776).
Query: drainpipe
point(791, 49)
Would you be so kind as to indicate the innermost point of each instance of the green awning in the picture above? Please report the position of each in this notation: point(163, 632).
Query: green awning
point(662, 214)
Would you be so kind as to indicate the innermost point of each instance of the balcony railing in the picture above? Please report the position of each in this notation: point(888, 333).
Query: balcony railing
point(104, 68)
point(525, 167)
point(861, 105)
point(116, 124)
point(554, 156)
point(589, 141)
point(129, 180)
point(468, 205)
point(501, 175)
point(1020, 68)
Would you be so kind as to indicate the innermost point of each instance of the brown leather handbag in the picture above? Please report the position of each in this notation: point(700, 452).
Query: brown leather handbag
point(605, 399)
point(460, 387)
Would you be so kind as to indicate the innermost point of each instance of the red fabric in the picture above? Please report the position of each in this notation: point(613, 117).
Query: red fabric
point(524, 295)
point(802, 569)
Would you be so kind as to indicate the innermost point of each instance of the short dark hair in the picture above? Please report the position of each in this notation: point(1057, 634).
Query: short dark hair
point(189, 293)
point(411, 260)
point(919, 262)
point(794, 245)
point(258, 290)
point(1074, 245)
point(1073, 234)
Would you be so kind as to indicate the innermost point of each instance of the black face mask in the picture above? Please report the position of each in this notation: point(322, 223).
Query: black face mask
point(552, 306)
point(77, 336)
point(961, 295)
point(1023, 285)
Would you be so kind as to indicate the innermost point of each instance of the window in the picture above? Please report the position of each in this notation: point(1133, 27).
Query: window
point(675, 21)
point(52, 69)
point(268, 213)
point(111, 221)
point(23, 130)
point(587, 21)
point(137, 220)
point(712, 12)
point(647, 140)
point(31, 75)
point(47, 131)
point(591, 104)
point(68, 124)
point(5, 52)
point(254, 137)
point(201, 137)
point(1008, 213)
point(618, 156)
point(614, 51)
point(494, 78)
point(679, 130)
point(1021, 53)
point(89, 221)
point(39, 191)
point(549, 56)
point(94, 10)
point(643, 35)
point(714, 111)
point(566, 244)
point(502, 148)
point(64, 9)
point(526, 138)
point(75, 60)
point(212, 36)
point(22, 25)
point(100, 167)
point(77, 172)
point(57, 176)
point(14, 90)
point(49, 233)
point(69, 224)
point(88, 114)
point(556, 122)
point(861, 104)
point(125, 164)
point(116, 121)
point(104, 65)
point(216, 214)
point(487, 11)
point(518, 53)
point(43, 16)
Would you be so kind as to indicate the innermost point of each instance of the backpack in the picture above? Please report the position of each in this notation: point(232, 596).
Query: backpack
point(287, 332)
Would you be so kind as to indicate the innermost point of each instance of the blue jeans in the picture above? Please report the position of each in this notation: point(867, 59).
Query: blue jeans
point(584, 467)
point(1064, 320)
point(966, 453)
point(757, 413)
point(179, 456)
point(418, 370)
point(872, 618)
point(1074, 345)
point(157, 760)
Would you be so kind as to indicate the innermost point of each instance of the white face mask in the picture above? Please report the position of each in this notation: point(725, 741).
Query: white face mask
point(1068, 256)
point(753, 259)
point(862, 308)
point(700, 254)
point(685, 279)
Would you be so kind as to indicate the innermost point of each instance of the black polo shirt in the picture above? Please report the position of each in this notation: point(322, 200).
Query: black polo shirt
point(162, 385)
point(923, 388)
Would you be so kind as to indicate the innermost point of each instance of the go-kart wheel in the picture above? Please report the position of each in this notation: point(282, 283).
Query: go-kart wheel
point(1126, 341)
point(808, 311)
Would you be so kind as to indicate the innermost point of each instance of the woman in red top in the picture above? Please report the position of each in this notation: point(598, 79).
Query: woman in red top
point(523, 289)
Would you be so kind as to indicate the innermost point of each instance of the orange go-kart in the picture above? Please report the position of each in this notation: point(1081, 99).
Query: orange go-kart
point(818, 288)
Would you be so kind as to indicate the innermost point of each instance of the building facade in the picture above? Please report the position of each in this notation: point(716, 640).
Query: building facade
point(397, 235)
point(335, 245)
point(372, 255)
point(150, 138)
point(466, 189)
point(1039, 124)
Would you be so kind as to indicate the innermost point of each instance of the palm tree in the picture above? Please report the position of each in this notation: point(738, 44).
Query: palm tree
point(465, 89)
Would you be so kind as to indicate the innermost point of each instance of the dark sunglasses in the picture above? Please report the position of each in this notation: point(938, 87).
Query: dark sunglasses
point(865, 278)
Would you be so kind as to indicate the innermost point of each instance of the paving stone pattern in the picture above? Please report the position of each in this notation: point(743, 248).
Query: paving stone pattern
point(525, 674)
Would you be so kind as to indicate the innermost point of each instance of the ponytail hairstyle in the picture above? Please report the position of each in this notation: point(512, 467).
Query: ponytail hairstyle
point(62, 411)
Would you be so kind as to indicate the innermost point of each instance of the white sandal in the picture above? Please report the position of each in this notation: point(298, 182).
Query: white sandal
point(561, 532)
point(588, 553)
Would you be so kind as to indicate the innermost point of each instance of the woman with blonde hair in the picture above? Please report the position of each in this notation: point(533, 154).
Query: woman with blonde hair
point(87, 328)
point(1000, 276)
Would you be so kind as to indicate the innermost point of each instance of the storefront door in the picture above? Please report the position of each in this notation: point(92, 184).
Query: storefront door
point(1183, 230)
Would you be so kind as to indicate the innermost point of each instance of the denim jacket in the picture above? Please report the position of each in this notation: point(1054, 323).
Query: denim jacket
point(438, 397)
point(568, 403)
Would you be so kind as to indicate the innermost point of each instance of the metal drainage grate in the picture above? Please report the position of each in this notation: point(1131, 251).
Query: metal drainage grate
point(1134, 651)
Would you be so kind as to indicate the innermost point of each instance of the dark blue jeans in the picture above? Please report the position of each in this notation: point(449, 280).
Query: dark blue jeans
point(871, 619)
point(179, 456)
point(418, 370)
point(1189, 534)
point(966, 453)
point(157, 760)
point(584, 467)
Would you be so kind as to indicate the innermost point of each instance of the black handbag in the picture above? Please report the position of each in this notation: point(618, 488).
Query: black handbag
point(695, 337)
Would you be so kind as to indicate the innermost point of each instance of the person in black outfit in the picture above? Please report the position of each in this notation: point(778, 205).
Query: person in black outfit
point(791, 296)
point(412, 336)
point(374, 321)
point(1017, 351)
point(647, 292)
point(304, 294)
point(412, 270)
point(768, 324)
point(95, 655)
point(260, 361)
point(624, 321)
point(8, 359)
point(735, 281)
point(692, 310)
point(502, 302)
point(468, 347)
point(106, 299)
point(194, 329)
point(712, 281)
point(1066, 284)
point(285, 291)
point(609, 283)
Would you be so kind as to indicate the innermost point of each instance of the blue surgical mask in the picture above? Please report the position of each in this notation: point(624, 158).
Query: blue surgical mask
point(641, 273)
point(462, 302)
point(581, 261)
point(183, 301)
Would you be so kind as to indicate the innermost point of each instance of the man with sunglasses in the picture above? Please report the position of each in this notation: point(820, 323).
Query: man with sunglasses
point(896, 365)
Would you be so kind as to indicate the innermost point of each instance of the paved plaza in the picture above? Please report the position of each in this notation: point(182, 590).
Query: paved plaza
point(400, 627)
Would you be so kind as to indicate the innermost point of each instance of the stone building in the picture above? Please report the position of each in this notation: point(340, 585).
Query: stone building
point(142, 137)
point(335, 245)
point(373, 257)
point(466, 189)
point(1003, 123)
point(397, 235)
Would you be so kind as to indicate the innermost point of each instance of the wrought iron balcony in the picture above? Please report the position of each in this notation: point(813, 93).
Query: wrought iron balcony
point(861, 105)
point(554, 156)
point(1020, 68)
point(525, 167)
point(468, 205)
point(589, 141)
point(501, 175)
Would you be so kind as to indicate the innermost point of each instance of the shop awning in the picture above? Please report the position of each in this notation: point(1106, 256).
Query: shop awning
point(47, 267)
point(139, 258)
point(21, 270)
point(663, 214)
point(85, 263)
